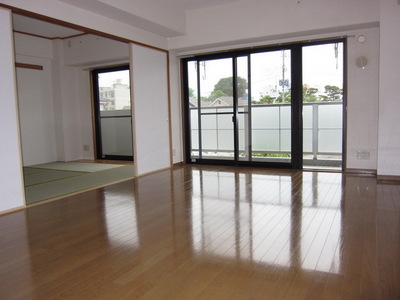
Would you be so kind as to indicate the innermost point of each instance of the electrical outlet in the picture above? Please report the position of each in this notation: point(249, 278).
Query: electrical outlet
point(363, 154)
point(85, 147)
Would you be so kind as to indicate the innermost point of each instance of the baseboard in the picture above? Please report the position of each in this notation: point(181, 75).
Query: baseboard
point(152, 172)
point(388, 179)
point(178, 164)
point(364, 172)
point(9, 211)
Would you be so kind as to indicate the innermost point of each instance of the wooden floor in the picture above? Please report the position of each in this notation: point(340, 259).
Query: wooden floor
point(209, 233)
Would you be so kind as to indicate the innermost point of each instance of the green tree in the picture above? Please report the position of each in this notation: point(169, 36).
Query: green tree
point(192, 93)
point(225, 85)
point(309, 94)
point(285, 97)
point(215, 95)
point(323, 98)
point(267, 99)
point(334, 93)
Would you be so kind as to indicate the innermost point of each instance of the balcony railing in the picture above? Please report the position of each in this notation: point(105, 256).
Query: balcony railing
point(271, 129)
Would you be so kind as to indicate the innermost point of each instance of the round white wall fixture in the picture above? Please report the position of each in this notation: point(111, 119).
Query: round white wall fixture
point(361, 62)
point(361, 38)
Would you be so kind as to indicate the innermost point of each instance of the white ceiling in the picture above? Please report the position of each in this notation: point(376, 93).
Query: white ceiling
point(132, 16)
point(187, 5)
point(41, 28)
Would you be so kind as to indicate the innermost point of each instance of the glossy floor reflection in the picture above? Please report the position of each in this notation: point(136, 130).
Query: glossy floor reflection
point(209, 233)
point(269, 219)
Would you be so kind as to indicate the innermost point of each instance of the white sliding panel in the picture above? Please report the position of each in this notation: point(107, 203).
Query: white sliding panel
point(150, 109)
point(11, 188)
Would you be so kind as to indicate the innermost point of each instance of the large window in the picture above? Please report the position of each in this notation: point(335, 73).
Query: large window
point(322, 105)
point(278, 106)
point(112, 98)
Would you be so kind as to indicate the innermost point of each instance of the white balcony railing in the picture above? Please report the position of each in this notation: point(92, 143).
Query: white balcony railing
point(270, 129)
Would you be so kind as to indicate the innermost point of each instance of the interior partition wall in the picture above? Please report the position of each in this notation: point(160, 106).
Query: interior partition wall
point(12, 188)
point(252, 107)
point(150, 109)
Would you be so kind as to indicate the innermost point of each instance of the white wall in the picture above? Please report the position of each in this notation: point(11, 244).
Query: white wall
point(289, 21)
point(255, 20)
point(36, 115)
point(55, 103)
point(85, 114)
point(176, 109)
point(49, 105)
point(86, 18)
point(27, 46)
point(363, 87)
point(163, 18)
point(66, 109)
point(11, 188)
point(150, 109)
point(363, 100)
point(85, 53)
point(389, 99)
point(35, 101)
point(90, 49)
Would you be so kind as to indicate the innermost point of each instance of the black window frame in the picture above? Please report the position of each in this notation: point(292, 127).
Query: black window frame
point(296, 96)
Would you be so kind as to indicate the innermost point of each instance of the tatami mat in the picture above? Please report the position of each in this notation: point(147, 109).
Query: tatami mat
point(76, 166)
point(47, 175)
point(50, 183)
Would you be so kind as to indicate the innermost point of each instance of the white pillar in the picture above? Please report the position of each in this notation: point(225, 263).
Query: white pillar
point(389, 100)
point(150, 109)
point(11, 187)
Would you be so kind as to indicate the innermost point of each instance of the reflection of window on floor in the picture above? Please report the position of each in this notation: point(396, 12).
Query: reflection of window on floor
point(255, 218)
point(121, 221)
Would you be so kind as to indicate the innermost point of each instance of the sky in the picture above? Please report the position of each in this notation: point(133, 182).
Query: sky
point(320, 68)
point(109, 78)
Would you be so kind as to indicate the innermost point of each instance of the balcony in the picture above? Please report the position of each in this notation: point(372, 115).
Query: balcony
point(270, 135)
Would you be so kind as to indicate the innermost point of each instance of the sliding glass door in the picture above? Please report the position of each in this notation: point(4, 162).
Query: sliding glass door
point(224, 124)
point(113, 117)
point(271, 107)
point(323, 106)
point(243, 109)
point(211, 109)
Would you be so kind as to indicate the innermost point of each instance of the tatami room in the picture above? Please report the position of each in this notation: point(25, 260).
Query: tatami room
point(200, 200)
point(62, 125)
point(74, 108)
